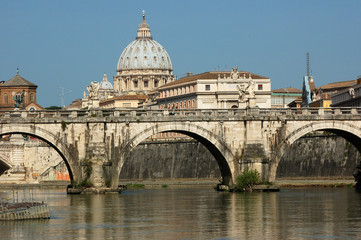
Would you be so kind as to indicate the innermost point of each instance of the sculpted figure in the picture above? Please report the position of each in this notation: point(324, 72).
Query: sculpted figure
point(351, 91)
point(234, 73)
point(241, 92)
point(18, 98)
point(93, 90)
point(250, 88)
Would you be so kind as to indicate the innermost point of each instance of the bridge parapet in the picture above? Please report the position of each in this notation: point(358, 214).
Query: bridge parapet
point(184, 114)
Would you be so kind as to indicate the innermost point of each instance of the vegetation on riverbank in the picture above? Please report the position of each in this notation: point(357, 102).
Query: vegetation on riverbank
point(246, 180)
point(134, 186)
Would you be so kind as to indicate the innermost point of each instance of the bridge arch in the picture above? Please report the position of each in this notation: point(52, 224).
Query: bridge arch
point(348, 131)
point(212, 142)
point(51, 139)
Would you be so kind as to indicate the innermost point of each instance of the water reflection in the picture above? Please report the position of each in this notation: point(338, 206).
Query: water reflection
point(195, 214)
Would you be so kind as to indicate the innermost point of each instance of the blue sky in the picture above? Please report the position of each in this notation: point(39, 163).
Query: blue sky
point(71, 43)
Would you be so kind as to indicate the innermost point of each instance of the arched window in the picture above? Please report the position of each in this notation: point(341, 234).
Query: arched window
point(31, 97)
point(6, 100)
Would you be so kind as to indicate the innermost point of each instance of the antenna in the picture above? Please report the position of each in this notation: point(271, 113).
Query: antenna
point(63, 94)
point(308, 63)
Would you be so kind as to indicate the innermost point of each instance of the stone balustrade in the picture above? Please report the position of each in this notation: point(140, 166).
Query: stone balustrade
point(186, 114)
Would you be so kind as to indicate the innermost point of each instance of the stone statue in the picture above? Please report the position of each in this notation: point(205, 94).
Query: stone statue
point(234, 73)
point(351, 91)
point(250, 89)
point(93, 90)
point(84, 95)
point(18, 98)
point(241, 92)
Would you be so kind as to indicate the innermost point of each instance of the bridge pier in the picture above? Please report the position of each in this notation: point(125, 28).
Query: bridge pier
point(255, 158)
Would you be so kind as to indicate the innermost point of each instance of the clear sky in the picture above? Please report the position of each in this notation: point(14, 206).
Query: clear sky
point(71, 43)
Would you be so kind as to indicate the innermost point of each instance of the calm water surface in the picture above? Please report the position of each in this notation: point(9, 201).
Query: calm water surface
point(327, 213)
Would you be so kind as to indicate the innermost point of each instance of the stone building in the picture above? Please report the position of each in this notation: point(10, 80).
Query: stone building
point(280, 98)
point(212, 90)
point(143, 65)
point(348, 97)
point(28, 159)
point(322, 95)
point(18, 93)
point(124, 101)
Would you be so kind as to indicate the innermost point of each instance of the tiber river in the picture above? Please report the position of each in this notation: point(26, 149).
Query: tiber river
point(195, 213)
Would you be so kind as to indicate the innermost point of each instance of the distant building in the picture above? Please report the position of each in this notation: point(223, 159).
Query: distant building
point(280, 98)
point(211, 90)
point(144, 65)
point(106, 90)
point(297, 103)
point(16, 88)
point(322, 95)
point(125, 101)
point(348, 97)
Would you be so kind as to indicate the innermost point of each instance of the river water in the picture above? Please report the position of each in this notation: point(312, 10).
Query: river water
point(195, 213)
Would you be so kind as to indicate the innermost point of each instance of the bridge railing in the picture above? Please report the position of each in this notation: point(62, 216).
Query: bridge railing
point(123, 113)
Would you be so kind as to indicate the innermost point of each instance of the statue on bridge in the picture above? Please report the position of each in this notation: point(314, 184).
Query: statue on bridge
point(243, 97)
point(93, 90)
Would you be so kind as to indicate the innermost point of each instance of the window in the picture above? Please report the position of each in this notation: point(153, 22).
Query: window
point(135, 84)
point(208, 87)
point(6, 101)
point(155, 83)
point(31, 97)
point(260, 87)
point(145, 84)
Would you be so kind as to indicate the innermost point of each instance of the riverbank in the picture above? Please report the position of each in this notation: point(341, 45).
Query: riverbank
point(191, 182)
point(282, 183)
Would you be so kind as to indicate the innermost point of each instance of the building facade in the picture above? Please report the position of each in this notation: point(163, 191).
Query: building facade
point(212, 90)
point(280, 98)
point(348, 97)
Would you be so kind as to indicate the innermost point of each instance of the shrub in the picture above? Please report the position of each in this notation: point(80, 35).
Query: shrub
point(247, 179)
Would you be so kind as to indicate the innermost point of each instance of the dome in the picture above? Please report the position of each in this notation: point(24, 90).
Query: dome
point(105, 84)
point(144, 53)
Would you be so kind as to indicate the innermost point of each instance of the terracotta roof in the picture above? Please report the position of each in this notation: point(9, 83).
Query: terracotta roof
point(130, 97)
point(337, 85)
point(287, 90)
point(312, 85)
point(209, 75)
point(76, 104)
point(37, 106)
point(17, 81)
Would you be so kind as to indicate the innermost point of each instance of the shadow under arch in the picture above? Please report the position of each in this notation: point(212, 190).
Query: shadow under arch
point(348, 131)
point(4, 164)
point(212, 142)
point(60, 147)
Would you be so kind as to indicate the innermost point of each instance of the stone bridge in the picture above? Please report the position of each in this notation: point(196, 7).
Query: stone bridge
point(253, 138)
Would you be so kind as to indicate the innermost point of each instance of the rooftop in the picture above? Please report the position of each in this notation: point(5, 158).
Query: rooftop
point(18, 81)
point(210, 75)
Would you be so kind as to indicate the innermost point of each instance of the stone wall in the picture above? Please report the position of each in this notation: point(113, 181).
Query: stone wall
point(171, 159)
point(319, 156)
